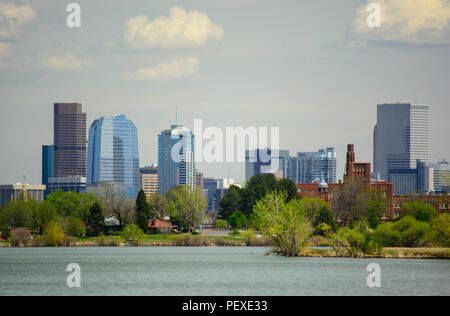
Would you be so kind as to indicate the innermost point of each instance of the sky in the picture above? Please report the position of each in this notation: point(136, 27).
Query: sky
point(312, 68)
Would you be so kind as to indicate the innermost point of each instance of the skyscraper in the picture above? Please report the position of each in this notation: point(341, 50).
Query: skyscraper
point(149, 179)
point(441, 176)
point(69, 140)
point(259, 161)
point(47, 165)
point(176, 164)
point(310, 166)
point(400, 137)
point(113, 154)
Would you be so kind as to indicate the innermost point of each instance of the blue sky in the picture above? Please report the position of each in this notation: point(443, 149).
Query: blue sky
point(312, 68)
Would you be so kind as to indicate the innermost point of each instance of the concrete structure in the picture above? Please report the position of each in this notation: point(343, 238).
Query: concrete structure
point(199, 180)
point(66, 184)
point(69, 140)
point(400, 137)
point(27, 192)
point(47, 165)
point(113, 154)
point(149, 179)
point(176, 163)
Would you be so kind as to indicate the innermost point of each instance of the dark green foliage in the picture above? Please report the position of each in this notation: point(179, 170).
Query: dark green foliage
point(420, 210)
point(288, 187)
point(142, 211)
point(237, 220)
point(72, 203)
point(406, 232)
point(324, 216)
point(373, 217)
point(230, 203)
point(96, 220)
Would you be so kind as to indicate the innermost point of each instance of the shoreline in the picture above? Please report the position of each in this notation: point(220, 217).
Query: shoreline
point(387, 253)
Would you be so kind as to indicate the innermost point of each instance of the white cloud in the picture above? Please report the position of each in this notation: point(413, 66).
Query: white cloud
point(405, 21)
point(13, 18)
point(67, 62)
point(6, 51)
point(179, 30)
point(166, 71)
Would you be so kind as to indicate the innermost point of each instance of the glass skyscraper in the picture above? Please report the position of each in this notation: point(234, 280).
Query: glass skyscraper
point(400, 137)
point(113, 154)
point(176, 164)
point(309, 166)
point(258, 161)
point(47, 165)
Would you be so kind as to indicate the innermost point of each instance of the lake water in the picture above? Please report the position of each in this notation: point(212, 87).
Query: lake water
point(209, 271)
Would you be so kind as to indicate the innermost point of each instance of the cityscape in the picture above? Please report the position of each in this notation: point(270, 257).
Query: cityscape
point(224, 156)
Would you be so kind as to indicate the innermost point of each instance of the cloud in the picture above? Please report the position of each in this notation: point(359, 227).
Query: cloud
point(13, 18)
point(67, 62)
point(6, 51)
point(166, 71)
point(405, 21)
point(179, 30)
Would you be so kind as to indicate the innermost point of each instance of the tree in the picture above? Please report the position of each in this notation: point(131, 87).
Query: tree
point(230, 203)
point(256, 188)
point(187, 206)
point(288, 186)
point(142, 211)
point(74, 227)
point(284, 222)
point(17, 214)
point(72, 203)
point(132, 234)
point(420, 210)
point(42, 214)
point(373, 217)
point(237, 220)
point(325, 216)
point(96, 219)
point(440, 230)
point(53, 234)
point(406, 232)
point(19, 237)
point(116, 202)
point(159, 206)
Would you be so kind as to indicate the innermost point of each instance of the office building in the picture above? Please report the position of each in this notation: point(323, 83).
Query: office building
point(176, 164)
point(441, 176)
point(259, 161)
point(113, 154)
point(66, 184)
point(69, 140)
point(310, 166)
point(149, 179)
point(47, 165)
point(15, 192)
point(400, 137)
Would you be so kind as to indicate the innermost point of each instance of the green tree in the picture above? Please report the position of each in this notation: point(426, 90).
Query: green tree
point(18, 214)
point(420, 210)
point(256, 188)
point(284, 222)
point(96, 219)
point(74, 227)
point(159, 206)
point(237, 220)
point(230, 203)
point(53, 234)
point(187, 206)
point(324, 216)
point(373, 217)
point(221, 224)
point(287, 186)
point(42, 214)
point(132, 234)
point(72, 203)
point(142, 211)
point(406, 232)
point(440, 230)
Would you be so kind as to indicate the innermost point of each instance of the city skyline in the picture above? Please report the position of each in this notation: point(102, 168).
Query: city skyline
point(273, 64)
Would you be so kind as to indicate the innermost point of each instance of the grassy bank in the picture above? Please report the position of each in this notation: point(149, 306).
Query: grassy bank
point(394, 253)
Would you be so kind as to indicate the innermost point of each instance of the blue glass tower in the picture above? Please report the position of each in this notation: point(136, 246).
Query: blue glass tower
point(113, 154)
point(176, 165)
point(47, 165)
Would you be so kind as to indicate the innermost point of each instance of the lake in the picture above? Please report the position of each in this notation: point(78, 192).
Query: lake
point(207, 271)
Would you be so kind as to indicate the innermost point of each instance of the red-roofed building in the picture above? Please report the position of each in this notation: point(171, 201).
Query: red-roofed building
point(158, 226)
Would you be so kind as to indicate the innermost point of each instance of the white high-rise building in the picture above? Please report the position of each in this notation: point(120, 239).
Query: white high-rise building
point(400, 137)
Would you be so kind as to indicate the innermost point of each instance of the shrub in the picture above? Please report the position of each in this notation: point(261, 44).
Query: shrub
point(53, 234)
point(132, 234)
point(406, 232)
point(420, 210)
point(440, 230)
point(249, 237)
point(68, 241)
point(19, 237)
point(190, 240)
point(221, 224)
point(74, 227)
